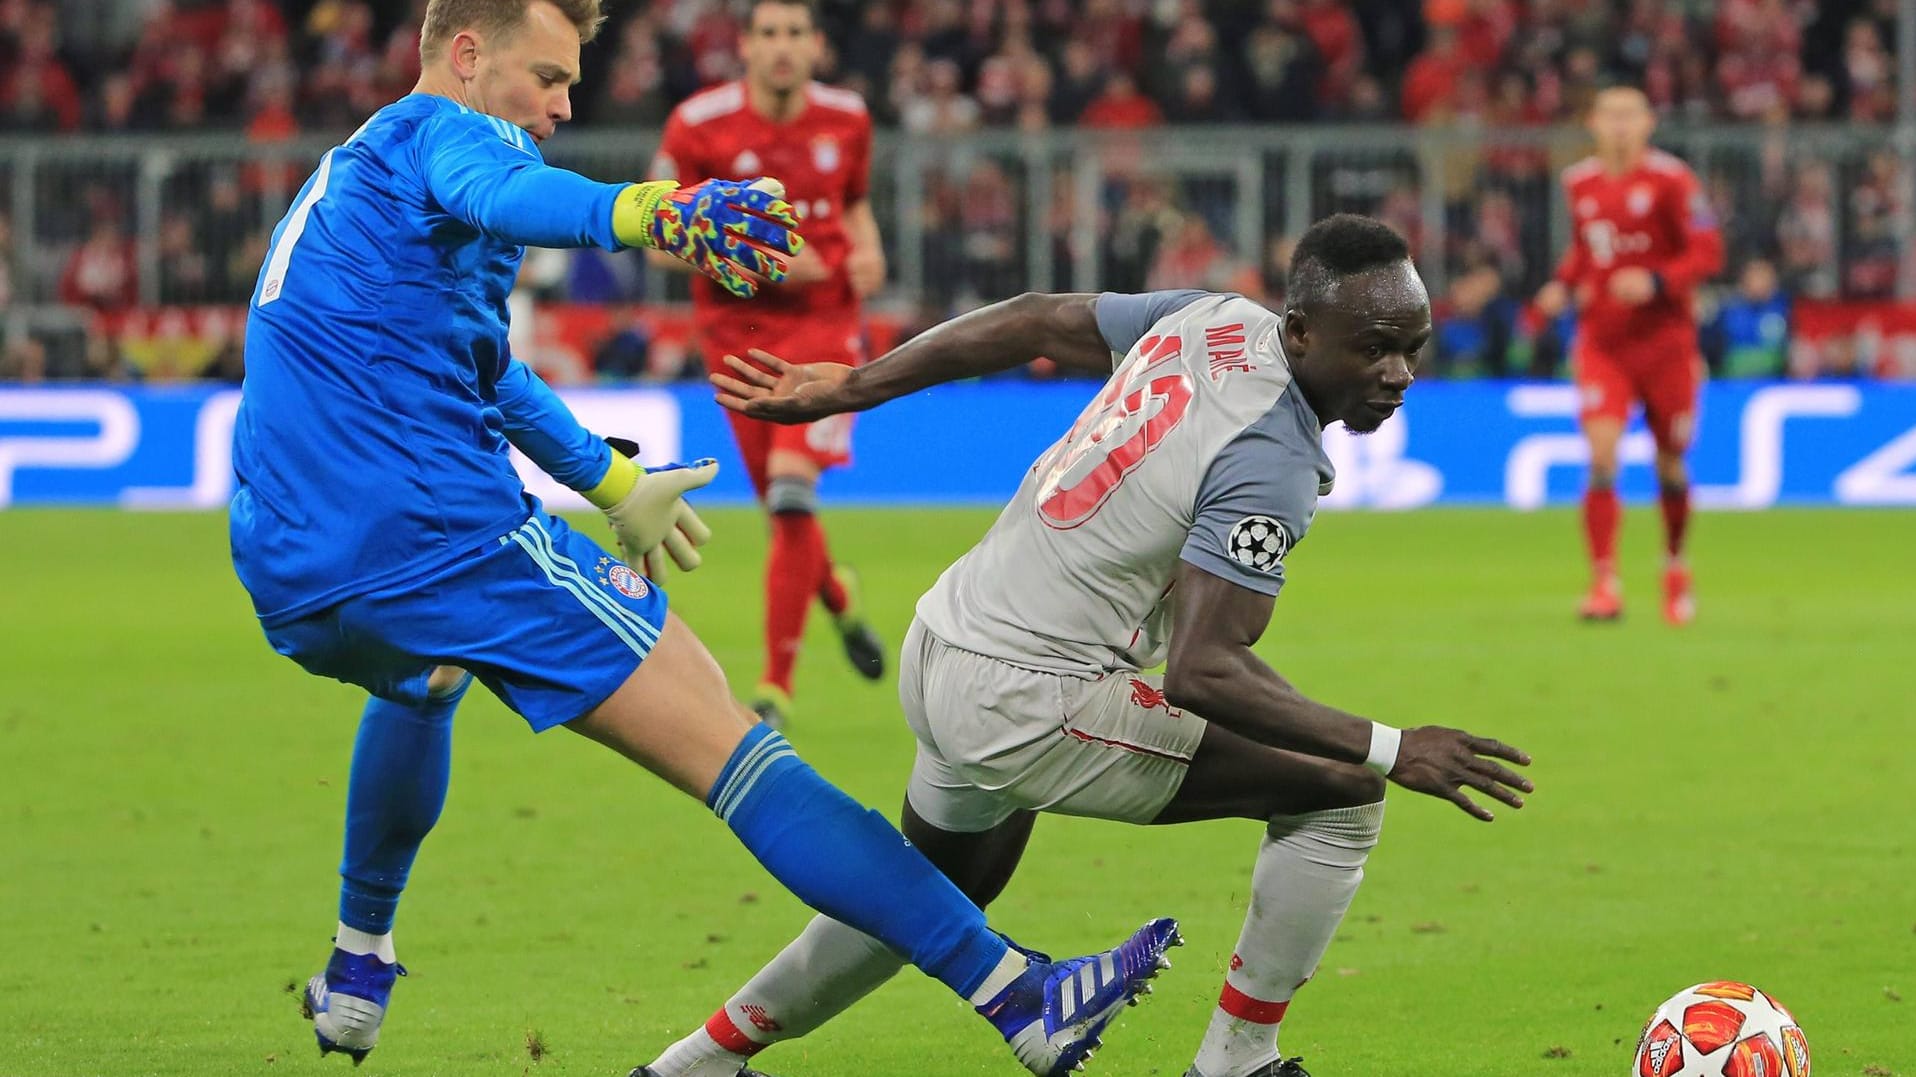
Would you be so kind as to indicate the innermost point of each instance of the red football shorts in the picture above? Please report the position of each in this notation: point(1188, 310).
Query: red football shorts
point(1665, 379)
point(827, 443)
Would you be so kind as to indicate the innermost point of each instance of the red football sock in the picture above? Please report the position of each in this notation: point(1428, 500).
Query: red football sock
point(1676, 518)
point(792, 574)
point(1601, 514)
point(829, 591)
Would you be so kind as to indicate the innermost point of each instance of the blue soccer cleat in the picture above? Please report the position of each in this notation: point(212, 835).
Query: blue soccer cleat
point(347, 1002)
point(1054, 1015)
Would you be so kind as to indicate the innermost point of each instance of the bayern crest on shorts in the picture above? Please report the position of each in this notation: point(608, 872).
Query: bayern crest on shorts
point(621, 578)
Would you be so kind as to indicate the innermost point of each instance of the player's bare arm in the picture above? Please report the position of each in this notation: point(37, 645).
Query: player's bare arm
point(1212, 670)
point(866, 262)
point(1004, 335)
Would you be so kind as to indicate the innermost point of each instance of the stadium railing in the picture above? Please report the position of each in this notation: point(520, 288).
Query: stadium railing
point(990, 214)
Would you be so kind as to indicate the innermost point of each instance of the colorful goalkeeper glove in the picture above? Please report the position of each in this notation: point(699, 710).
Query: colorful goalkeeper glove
point(647, 510)
point(730, 230)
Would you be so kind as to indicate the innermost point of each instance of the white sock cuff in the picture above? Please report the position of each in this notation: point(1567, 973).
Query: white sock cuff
point(354, 941)
point(1348, 828)
point(1010, 968)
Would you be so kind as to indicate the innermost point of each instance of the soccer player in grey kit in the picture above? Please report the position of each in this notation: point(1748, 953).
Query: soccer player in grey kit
point(1156, 530)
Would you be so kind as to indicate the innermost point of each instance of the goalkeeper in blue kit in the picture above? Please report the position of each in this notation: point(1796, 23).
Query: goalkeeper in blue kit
point(386, 540)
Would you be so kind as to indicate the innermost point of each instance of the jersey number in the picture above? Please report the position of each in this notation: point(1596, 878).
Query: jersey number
point(1129, 419)
point(277, 262)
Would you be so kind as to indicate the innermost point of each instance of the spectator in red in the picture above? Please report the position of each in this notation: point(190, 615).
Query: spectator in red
point(1116, 36)
point(1483, 27)
point(1334, 32)
point(102, 273)
point(272, 121)
point(633, 91)
point(1512, 108)
point(38, 93)
point(1431, 81)
point(1189, 257)
point(254, 38)
point(1867, 73)
point(712, 42)
point(1757, 83)
point(1121, 107)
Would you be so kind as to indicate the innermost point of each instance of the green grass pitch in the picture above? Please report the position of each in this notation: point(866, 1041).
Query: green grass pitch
point(1730, 801)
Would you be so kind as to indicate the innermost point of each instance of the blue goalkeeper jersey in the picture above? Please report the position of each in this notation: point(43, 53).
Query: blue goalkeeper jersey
point(370, 445)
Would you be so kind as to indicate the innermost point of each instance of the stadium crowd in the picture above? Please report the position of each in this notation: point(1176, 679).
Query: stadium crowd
point(943, 68)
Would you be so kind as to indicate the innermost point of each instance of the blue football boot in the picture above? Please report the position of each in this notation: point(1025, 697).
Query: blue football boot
point(347, 1002)
point(1055, 1014)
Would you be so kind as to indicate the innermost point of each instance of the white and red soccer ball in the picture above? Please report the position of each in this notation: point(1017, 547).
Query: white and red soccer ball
point(1722, 1029)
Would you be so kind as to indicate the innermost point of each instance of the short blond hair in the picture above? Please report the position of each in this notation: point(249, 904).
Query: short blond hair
point(444, 18)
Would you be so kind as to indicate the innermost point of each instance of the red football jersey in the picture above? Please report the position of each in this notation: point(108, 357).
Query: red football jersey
point(823, 156)
point(1654, 216)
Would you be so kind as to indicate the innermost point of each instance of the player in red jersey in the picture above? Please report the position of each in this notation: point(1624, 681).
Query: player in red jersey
point(1643, 239)
point(817, 139)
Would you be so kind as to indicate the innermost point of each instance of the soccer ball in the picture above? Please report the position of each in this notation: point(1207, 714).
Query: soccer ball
point(1722, 1029)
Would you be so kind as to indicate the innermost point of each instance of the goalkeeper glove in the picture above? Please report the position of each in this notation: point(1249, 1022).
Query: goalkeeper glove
point(729, 230)
point(647, 510)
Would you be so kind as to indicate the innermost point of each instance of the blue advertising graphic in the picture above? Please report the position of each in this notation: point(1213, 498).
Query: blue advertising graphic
point(1466, 443)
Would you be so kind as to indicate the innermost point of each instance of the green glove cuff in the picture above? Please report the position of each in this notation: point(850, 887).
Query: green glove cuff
point(634, 209)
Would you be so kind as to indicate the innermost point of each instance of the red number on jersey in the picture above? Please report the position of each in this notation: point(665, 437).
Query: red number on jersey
point(1113, 436)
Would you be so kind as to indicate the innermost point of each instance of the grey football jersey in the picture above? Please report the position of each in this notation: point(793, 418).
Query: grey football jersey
point(1197, 449)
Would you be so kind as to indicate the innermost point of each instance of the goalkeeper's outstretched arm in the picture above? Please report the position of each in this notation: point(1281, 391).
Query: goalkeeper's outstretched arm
point(488, 174)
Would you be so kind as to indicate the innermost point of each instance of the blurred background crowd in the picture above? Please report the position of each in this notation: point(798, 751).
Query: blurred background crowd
point(1803, 221)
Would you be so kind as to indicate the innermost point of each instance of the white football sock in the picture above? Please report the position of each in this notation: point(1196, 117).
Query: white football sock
point(1308, 868)
point(1010, 967)
point(819, 975)
point(354, 941)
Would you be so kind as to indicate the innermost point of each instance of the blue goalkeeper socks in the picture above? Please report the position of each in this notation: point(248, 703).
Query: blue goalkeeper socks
point(402, 762)
point(848, 862)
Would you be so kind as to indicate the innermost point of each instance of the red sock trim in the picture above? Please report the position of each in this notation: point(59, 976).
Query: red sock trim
point(726, 1034)
point(1245, 1008)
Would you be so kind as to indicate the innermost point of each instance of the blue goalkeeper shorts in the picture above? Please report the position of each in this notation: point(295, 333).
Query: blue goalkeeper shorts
point(547, 620)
